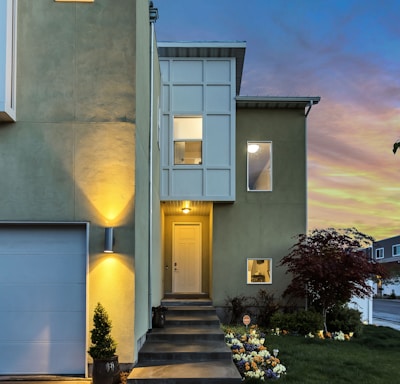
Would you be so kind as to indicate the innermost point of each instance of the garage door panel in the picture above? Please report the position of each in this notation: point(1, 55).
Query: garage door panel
point(43, 326)
point(33, 238)
point(42, 358)
point(42, 297)
point(39, 268)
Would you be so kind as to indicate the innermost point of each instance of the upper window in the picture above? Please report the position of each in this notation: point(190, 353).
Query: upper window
point(396, 250)
point(379, 253)
point(259, 166)
point(188, 140)
point(74, 1)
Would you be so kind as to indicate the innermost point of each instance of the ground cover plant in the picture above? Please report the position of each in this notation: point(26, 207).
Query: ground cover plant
point(370, 358)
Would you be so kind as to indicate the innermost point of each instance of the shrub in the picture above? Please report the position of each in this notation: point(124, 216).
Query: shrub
point(103, 345)
point(238, 306)
point(345, 319)
point(266, 306)
point(302, 322)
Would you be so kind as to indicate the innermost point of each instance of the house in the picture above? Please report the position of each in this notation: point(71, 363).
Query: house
point(131, 170)
point(387, 252)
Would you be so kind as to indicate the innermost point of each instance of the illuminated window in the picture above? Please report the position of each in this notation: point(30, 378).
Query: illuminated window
point(259, 271)
point(379, 254)
point(188, 140)
point(259, 166)
point(396, 250)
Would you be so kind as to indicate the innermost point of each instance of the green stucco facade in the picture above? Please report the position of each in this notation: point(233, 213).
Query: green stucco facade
point(261, 224)
point(79, 150)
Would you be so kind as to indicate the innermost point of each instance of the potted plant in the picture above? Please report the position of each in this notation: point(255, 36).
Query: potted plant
point(158, 316)
point(105, 361)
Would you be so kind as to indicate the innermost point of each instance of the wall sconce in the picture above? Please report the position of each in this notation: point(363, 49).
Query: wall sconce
point(108, 240)
point(185, 210)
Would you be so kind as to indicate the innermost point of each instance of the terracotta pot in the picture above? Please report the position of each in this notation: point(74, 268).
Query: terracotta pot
point(106, 371)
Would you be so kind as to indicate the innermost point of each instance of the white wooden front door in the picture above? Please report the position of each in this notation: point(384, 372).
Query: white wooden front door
point(186, 257)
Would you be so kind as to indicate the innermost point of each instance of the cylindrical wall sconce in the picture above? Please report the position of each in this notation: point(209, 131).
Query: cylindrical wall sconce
point(109, 240)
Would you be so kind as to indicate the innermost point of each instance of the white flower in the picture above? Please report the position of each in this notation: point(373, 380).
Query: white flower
point(279, 368)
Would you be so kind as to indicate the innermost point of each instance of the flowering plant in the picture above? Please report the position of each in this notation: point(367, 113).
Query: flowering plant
point(252, 358)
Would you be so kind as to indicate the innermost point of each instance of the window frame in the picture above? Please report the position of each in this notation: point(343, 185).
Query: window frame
point(250, 278)
point(393, 252)
point(382, 250)
point(270, 167)
point(187, 140)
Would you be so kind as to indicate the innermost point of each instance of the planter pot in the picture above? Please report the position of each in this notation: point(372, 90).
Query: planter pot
point(158, 317)
point(106, 371)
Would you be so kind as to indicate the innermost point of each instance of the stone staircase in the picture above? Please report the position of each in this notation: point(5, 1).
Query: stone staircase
point(190, 348)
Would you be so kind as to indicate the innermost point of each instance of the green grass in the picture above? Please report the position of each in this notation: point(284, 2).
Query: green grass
point(371, 358)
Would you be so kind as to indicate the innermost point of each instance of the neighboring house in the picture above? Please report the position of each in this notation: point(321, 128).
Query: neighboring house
point(100, 158)
point(387, 252)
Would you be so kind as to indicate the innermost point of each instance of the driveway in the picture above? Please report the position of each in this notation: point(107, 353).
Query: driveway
point(386, 312)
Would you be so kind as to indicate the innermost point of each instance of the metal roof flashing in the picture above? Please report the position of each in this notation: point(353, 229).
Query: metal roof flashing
point(266, 102)
point(211, 49)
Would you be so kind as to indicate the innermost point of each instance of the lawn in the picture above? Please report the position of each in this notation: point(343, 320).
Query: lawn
point(371, 358)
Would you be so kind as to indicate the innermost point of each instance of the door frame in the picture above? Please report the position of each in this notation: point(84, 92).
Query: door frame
point(200, 245)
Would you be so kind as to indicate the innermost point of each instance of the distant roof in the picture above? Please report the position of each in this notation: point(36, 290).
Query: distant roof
point(234, 49)
point(264, 102)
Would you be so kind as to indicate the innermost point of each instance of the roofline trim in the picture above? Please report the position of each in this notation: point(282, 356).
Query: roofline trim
point(278, 99)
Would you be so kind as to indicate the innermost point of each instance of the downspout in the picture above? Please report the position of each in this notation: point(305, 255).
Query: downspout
point(311, 103)
point(153, 14)
point(306, 147)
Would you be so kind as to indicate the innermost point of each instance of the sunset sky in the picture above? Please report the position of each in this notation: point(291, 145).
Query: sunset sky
point(347, 52)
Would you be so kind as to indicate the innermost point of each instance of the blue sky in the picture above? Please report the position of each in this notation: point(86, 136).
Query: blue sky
point(347, 52)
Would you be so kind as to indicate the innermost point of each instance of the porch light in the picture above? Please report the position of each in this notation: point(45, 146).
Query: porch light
point(185, 210)
point(153, 13)
point(109, 240)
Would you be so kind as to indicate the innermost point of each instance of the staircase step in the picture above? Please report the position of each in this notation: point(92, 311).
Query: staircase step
point(179, 302)
point(191, 310)
point(205, 372)
point(172, 320)
point(185, 351)
point(190, 349)
point(186, 332)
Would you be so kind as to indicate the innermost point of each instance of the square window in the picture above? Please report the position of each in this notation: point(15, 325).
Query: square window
point(379, 253)
point(259, 166)
point(259, 271)
point(396, 250)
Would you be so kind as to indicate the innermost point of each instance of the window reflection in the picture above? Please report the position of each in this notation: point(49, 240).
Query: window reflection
point(259, 166)
point(259, 271)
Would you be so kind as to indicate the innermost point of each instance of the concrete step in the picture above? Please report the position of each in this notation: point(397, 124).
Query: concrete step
point(189, 349)
point(204, 372)
point(179, 302)
point(186, 332)
point(194, 320)
point(185, 351)
point(191, 310)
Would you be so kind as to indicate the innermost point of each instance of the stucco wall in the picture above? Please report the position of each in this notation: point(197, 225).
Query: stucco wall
point(71, 154)
point(261, 224)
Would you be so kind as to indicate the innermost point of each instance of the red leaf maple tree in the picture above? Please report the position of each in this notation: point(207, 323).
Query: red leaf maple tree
point(330, 266)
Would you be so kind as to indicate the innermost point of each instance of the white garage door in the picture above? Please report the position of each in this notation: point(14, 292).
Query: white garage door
point(42, 299)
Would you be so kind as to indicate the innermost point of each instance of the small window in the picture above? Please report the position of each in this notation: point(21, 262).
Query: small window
point(74, 1)
point(188, 140)
point(379, 254)
point(259, 271)
point(396, 250)
point(259, 166)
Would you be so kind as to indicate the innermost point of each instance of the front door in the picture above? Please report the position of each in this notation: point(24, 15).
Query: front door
point(186, 257)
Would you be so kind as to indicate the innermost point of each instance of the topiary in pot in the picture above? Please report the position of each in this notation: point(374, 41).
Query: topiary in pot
point(105, 361)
